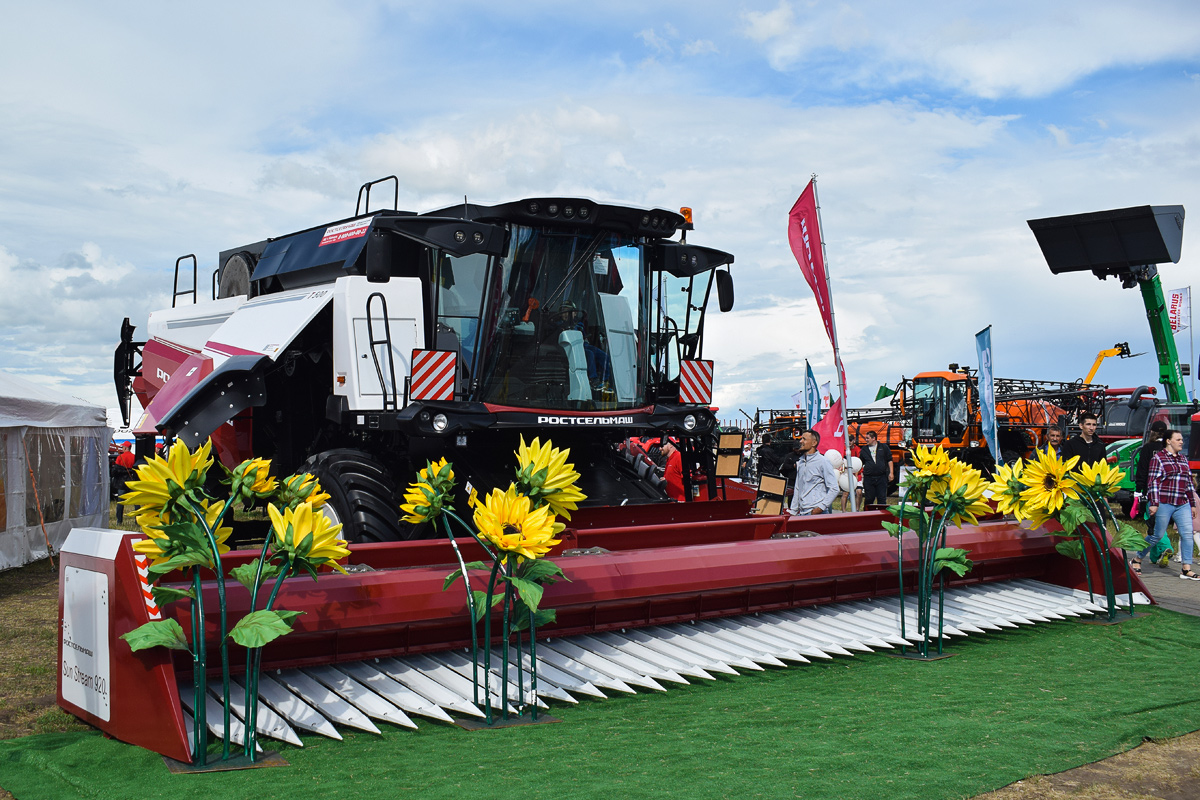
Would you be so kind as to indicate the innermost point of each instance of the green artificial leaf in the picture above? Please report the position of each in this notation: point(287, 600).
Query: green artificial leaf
point(261, 627)
point(530, 592)
point(1128, 538)
point(543, 616)
point(245, 573)
point(289, 617)
point(160, 633)
point(542, 570)
point(1073, 514)
point(310, 565)
point(191, 558)
point(1072, 548)
point(896, 529)
point(169, 594)
point(453, 576)
point(481, 606)
point(953, 559)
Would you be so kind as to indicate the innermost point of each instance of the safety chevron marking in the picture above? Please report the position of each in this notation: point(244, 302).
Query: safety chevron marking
point(695, 382)
point(143, 570)
point(433, 374)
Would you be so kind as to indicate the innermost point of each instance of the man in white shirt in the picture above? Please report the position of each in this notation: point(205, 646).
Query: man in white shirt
point(816, 482)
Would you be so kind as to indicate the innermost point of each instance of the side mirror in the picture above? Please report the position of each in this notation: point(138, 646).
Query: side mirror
point(724, 290)
point(379, 256)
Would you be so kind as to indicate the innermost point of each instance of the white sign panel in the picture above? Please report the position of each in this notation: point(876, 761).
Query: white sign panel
point(1179, 308)
point(85, 663)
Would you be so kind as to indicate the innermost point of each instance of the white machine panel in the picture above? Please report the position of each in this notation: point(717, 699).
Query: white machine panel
point(267, 325)
point(192, 325)
point(354, 375)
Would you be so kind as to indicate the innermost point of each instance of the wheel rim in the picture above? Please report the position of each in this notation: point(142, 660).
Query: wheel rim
point(331, 514)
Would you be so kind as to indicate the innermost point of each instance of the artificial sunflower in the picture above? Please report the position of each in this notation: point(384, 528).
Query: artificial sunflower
point(437, 474)
point(421, 503)
point(1049, 484)
point(931, 464)
point(509, 521)
point(251, 480)
point(302, 488)
point(1007, 488)
point(959, 493)
point(544, 474)
point(1099, 478)
point(162, 545)
point(308, 537)
point(163, 481)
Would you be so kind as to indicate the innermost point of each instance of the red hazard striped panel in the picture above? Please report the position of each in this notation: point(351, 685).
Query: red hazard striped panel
point(433, 374)
point(143, 570)
point(695, 382)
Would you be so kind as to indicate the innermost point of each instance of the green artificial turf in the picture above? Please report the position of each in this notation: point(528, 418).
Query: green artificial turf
point(1009, 705)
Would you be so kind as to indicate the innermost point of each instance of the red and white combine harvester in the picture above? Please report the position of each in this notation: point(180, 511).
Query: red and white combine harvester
point(361, 349)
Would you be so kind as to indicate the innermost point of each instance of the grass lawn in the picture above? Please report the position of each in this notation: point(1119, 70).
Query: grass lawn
point(1009, 705)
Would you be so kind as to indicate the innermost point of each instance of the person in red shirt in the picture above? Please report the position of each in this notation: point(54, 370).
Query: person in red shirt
point(125, 458)
point(674, 473)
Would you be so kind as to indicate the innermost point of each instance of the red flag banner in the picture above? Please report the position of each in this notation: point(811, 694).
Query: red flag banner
point(832, 429)
point(804, 236)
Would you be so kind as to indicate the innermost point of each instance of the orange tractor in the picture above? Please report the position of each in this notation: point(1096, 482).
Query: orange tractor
point(942, 409)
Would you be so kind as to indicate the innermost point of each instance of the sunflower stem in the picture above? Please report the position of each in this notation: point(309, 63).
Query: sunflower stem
point(508, 591)
point(253, 667)
point(533, 663)
point(487, 637)
point(482, 542)
point(216, 554)
point(462, 566)
point(199, 676)
point(1103, 551)
point(900, 562)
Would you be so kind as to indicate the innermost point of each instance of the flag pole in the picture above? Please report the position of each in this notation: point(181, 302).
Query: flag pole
point(837, 356)
point(1191, 344)
point(807, 397)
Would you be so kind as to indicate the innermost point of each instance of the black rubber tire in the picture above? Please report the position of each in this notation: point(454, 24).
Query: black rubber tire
point(362, 495)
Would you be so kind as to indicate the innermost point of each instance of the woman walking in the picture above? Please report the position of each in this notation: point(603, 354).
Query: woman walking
point(1171, 496)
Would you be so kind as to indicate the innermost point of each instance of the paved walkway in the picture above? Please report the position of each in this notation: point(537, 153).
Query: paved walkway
point(1169, 590)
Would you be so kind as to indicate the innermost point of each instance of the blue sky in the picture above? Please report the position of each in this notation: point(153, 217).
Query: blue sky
point(132, 134)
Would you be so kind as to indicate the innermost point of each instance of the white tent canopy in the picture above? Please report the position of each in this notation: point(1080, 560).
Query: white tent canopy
point(53, 469)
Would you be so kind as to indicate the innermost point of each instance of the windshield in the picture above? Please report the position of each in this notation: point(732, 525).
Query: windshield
point(929, 405)
point(564, 323)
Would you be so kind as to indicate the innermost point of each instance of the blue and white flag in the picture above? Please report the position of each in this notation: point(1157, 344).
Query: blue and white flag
point(812, 397)
point(987, 390)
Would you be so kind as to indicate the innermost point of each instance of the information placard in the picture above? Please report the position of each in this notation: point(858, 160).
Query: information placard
point(85, 662)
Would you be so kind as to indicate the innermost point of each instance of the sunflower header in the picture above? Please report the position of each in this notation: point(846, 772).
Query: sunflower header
point(1050, 489)
point(516, 527)
point(184, 530)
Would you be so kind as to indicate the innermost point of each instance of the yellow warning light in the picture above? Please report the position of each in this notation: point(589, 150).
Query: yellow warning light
point(687, 214)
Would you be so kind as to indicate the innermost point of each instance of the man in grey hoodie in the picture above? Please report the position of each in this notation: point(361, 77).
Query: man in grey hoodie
point(816, 482)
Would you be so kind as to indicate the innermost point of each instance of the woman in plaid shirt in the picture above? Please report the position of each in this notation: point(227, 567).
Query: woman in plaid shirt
point(1171, 495)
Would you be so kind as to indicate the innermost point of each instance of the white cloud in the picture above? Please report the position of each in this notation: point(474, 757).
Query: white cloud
point(1023, 49)
point(700, 47)
point(654, 41)
point(116, 158)
point(1061, 137)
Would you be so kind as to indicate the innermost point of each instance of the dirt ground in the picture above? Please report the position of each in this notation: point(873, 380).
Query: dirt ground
point(1164, 770)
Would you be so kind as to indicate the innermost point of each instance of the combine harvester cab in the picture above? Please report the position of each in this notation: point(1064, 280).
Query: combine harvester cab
point(359, 350)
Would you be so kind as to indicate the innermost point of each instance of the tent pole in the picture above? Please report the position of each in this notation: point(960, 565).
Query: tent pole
point(38, 500)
